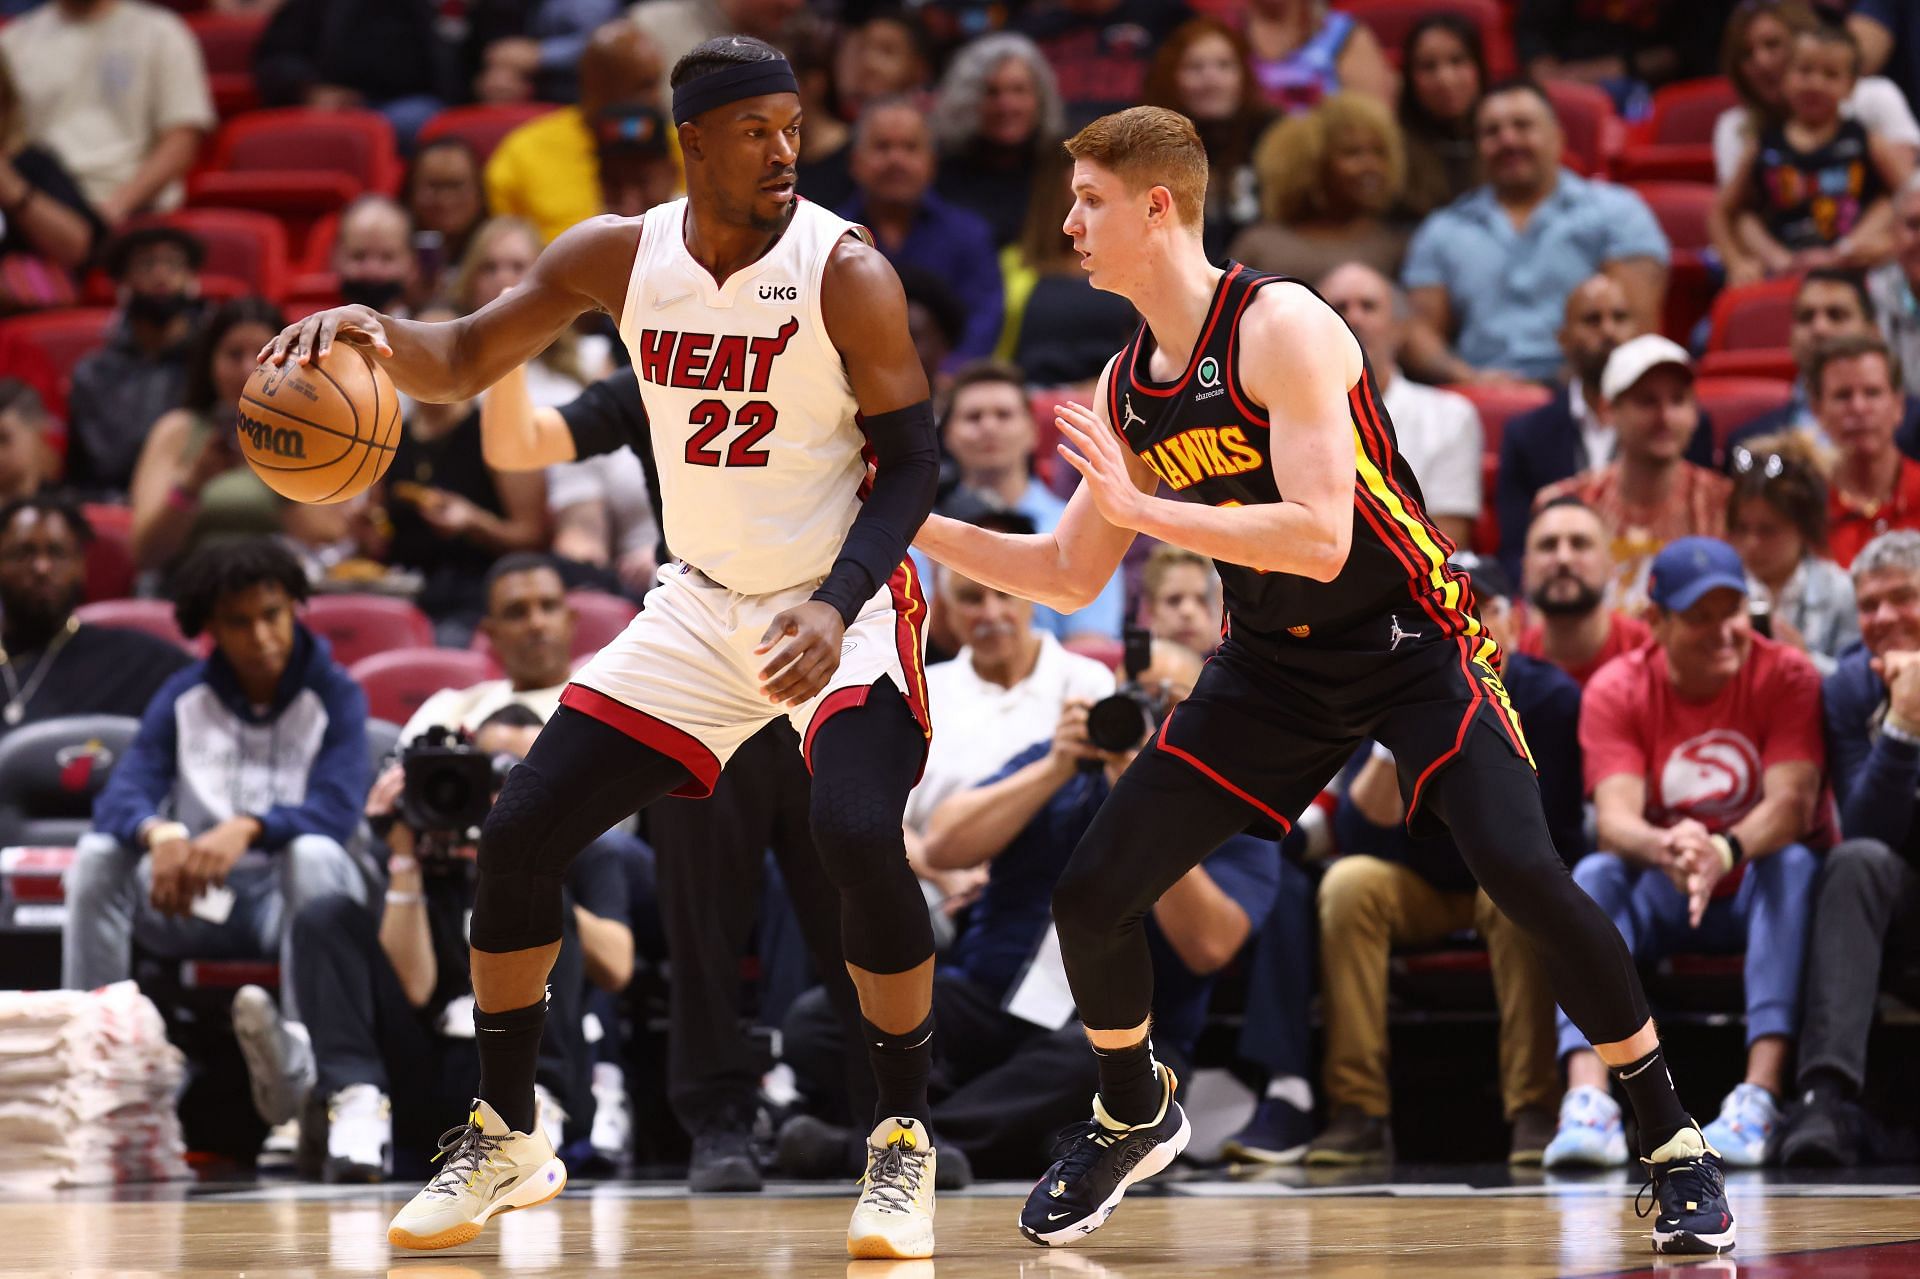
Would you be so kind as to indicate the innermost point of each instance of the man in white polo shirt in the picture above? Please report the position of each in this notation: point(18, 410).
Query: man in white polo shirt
point(530, 625)
point(1439, 431)
point(1000, 694)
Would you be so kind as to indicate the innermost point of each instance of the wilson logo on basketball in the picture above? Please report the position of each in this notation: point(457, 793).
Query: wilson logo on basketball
point(277, 440)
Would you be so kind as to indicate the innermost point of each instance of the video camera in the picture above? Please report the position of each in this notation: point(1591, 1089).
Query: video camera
point(1123, 720)
point(449, 785)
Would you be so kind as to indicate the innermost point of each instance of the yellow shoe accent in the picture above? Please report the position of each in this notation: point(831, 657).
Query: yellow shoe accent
point(893, 1218)
point(489, 1169)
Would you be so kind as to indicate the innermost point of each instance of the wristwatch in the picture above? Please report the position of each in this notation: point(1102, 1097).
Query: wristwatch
point(158, 832)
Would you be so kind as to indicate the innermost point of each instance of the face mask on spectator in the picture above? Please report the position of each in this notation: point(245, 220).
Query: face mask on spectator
point(157, 308)
point(374, 293)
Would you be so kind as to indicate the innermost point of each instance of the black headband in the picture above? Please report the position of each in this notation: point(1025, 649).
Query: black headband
point(746, 80)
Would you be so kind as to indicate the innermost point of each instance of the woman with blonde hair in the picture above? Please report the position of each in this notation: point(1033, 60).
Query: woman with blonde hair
point(997, 114)
point(1328, 181)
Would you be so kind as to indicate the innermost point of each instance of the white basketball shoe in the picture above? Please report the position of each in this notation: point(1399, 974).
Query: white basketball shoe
point(894, 1215)
point(488, 1169)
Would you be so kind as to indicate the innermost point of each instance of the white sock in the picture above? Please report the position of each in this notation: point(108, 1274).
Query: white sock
point(1293, 1090)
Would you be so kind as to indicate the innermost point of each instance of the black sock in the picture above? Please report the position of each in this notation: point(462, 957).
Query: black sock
point(1650, 1091)
point(1827, 1085)
point(1130, 1086)
point(901, 1064)
point(509, 1046)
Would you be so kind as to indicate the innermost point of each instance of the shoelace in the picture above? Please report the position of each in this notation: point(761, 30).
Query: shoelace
point(1078, 1146)
point(466, 1150)
point(1702, 1183)
point(893, 1179)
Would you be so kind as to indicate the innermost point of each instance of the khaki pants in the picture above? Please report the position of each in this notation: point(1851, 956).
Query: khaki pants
point(1368, 906)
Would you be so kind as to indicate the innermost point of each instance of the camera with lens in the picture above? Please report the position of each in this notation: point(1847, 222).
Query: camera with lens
point(1123, 720)
point(449, 785)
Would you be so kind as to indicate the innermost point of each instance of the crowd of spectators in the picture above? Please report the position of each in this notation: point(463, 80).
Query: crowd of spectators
point(1710, 605)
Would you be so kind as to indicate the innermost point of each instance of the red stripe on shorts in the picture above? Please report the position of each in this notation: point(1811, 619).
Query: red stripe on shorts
point(648, 730)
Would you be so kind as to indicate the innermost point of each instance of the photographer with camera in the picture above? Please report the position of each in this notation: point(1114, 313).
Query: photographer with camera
point(1010, 1064)
point(389, 1000)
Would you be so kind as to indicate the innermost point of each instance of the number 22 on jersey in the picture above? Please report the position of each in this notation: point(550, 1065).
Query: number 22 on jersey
point(710, 420)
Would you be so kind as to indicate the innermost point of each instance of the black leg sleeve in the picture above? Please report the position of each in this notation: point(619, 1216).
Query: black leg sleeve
point(1490, 801)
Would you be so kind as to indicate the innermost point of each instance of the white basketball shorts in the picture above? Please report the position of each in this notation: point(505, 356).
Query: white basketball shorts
point(683, 677)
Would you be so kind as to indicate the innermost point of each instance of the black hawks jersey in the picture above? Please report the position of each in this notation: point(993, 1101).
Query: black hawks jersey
point(1205, 437)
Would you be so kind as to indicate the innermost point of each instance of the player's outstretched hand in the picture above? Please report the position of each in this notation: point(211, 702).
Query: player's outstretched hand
point(1096, 455)
point(311, 338)
point(803, 664)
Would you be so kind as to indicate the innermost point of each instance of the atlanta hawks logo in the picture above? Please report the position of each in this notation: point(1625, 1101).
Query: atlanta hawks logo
point(1712, 778)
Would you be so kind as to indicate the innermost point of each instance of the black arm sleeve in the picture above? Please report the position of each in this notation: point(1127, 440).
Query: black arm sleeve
point(907, 473)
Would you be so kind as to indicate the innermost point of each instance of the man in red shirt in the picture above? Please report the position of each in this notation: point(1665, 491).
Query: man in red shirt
point(1704, 756)
point(1855, 387)
point(1568, 569)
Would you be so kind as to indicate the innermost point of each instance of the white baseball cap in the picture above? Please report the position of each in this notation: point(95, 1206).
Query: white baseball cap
point(1636, 357)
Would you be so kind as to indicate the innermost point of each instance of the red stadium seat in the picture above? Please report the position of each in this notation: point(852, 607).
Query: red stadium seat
point(110, 566)
point(1675, 142)
point(226, 43)
point(319, 246)
point(481, 127)
point(62, 337)
point(1776, 363)
point(298, 164)
point(598, 619)
point(25, 359)
point(155, 617)
point(1485, 539)
point(399, 680)
point(247, 247)
point(1593, 129)
point(1753, 315)
point(1497, 402)
point(359, 626)
point(1390, 20)
point(1682, 209)
point(1692, 285)
point(1733, 402)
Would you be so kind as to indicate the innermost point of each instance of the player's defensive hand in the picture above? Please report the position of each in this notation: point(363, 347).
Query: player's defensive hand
point(1097, 456)
point(313, 337)
point(802, 665)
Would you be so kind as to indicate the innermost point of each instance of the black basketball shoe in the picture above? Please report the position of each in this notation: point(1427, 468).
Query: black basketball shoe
point(1691, 1213)
point(1094, 1164)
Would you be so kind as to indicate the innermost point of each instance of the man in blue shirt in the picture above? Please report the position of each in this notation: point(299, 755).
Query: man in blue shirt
point(1013, 1062)
point(893, 167)
point(236, 799)
point(1866, 913)
point(1491, 271)
point(989, 431)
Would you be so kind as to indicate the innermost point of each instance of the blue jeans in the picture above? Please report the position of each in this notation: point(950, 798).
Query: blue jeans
point(1280, 983)
point(1768, 917)
point(109, 904)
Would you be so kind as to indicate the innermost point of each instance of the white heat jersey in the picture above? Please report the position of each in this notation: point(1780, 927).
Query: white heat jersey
point(749, 405)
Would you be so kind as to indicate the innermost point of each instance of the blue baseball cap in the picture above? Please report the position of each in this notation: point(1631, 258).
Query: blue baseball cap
point(1689, 567)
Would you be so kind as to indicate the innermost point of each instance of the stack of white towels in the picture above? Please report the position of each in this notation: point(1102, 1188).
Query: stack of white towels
point(88, 1083)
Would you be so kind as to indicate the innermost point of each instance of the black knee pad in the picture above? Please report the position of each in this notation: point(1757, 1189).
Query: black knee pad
point(1090, 903)
point(517, 902)
point(884, 926)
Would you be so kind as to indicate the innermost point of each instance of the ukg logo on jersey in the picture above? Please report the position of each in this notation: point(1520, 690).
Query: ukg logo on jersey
point(779, 293)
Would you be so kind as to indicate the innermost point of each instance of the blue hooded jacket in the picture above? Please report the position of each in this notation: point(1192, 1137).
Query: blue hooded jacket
point(203, 754)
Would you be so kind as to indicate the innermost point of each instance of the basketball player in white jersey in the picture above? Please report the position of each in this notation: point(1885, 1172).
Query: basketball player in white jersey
point(770, 341)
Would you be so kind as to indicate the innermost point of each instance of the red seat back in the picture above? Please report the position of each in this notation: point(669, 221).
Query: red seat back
point(358, 144)
point(1733, 402)
point(1753, 315)
point(398, 681)
point(61, 337)
point(1774, 363)
point(155, 617)
point(227, 41)
point(242, 245)
point(1592, 128)
point(1682, 209)
point(1497, 402)
point(482, 126)
point(110, 567)
point(359, 626)
point(1685, 113)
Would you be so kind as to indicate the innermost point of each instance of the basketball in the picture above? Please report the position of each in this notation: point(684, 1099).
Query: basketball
point(320, 432)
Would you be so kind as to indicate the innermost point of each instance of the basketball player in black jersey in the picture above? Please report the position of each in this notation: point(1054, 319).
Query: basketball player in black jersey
point(1248, 397)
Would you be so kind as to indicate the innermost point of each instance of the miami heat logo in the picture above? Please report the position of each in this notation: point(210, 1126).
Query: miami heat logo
point(1712, 778)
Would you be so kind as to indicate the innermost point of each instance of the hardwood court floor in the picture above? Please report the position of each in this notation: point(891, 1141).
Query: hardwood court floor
point(1199, 1230)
